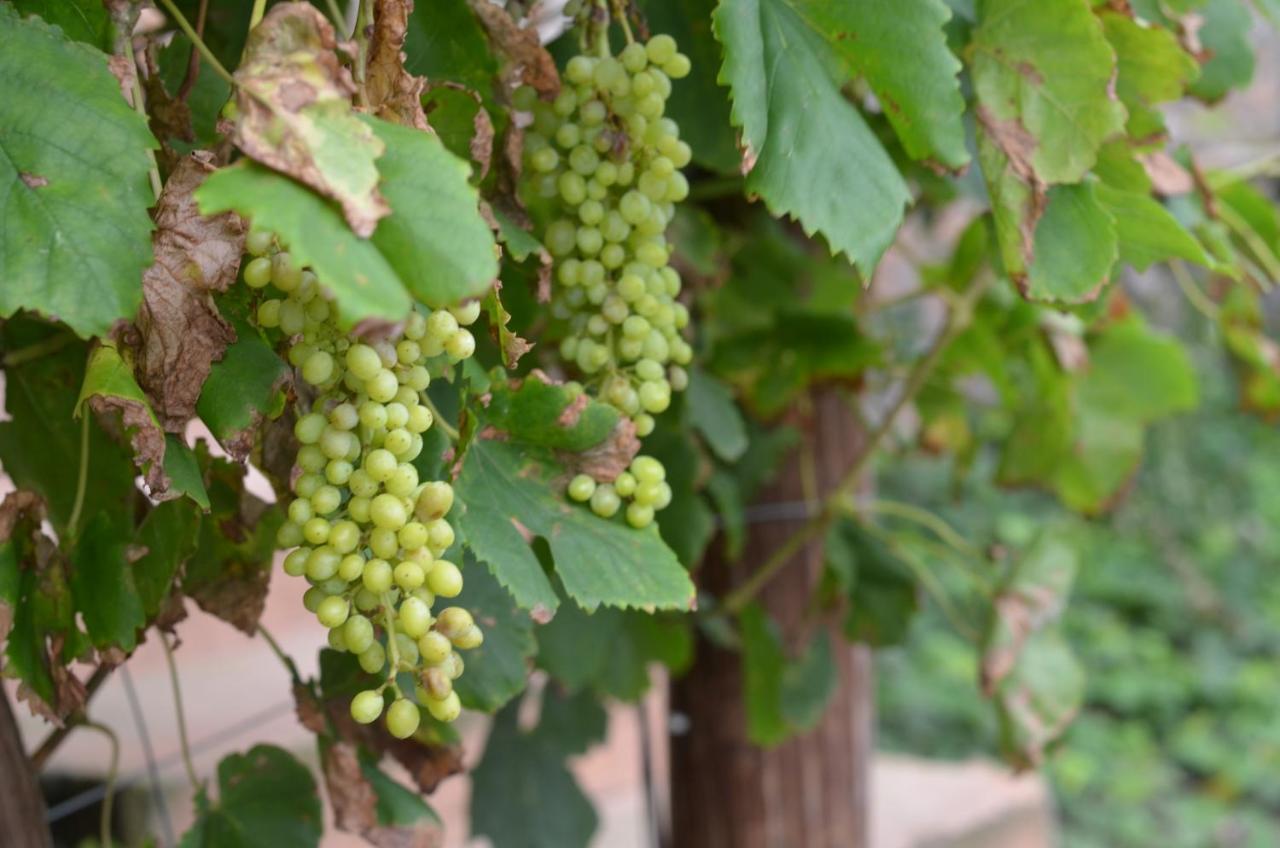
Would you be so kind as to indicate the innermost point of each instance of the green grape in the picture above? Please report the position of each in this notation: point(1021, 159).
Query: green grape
point(446, 709)
point(581, 487)
point(366, 706)
point(360, 504)
point(403, 718)
point(605, 501)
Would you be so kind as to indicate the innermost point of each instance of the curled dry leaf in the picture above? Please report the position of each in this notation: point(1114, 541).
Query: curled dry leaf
point(180, 330)
point(294, 113)
point(239, 594)
point(355, 804)
point(394, 94)
point(513, 347)
point(525, 54)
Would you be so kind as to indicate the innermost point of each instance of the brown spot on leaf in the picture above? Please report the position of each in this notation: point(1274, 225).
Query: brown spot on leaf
point(749, 157)
point(540, 614)
point(607, 460)
point(525, 532)
point(1019, 146)
point(1168, 178)
point(32, 180)
point(570, 414)
point(180, 331)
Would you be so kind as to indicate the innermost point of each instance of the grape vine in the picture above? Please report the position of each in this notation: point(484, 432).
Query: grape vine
point(365, 531)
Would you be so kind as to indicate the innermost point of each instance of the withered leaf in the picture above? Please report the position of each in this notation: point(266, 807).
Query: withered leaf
point(394, 94)
point(355, 804)
point(607, 460)
point(180, 330)
point(295, 114)
point(525, 53)
point(513, 347)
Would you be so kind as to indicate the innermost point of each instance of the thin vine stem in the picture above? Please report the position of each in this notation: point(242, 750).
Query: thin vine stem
point(439, 421)
point(108, 797)
point(339, 19)
point(1197, 298)
point(280, 653)
point(82, 476)
point(1261, 250)
point(958, 319)
point(364, 23)
point(924, 518)
point(191, 33)
point(23, 355)
point(182, 718)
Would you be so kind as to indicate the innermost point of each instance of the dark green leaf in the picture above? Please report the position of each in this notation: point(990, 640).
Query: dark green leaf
point(496, 671)
point(548, 415)
point(784, 696)
point(713, 413)
point(522, 777)
point(266, 799)
point(1148, 233)
point(881, 592)
point(81, 20)
point(169, 533)
point(103, 585)
point(75, 158)
point(242, 388)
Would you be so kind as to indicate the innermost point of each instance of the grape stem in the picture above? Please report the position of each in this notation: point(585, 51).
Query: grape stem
point(255, 16)
point(364, 25)
point(1197, 298)
point(104, 825)
point(185, 26)
point(958, 320)
point(82, 478)
point(182, 718)
point(620, 14)
point(438, 419)
point(389, 620)
point(280, 654)
point(140, 106)
point(23, 355)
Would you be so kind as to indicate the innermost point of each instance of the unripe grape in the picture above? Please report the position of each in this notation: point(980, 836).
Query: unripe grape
point(387, 511)
point(445, 579)
point(605, 501)
point(414, 618)
point(316, 531)
point(403, 718)
point(407, 648)
point(358, 508)
point(409, 575)
point(373, 658)
point(647, 469)
point(440, 535)
point(352, 567)
point(285, 273)
point(380, 464)
point(377, 576)
point(295, 564)
point(581, 487)
point(445, 710)
point(434, 648)
point(639, 515)
point(413, 535)
point(382, 387)
point(472, 637)
point(257, 274)
point(333, 611)
point(366, 706)
point(322, 563)
point(363, 361)
point(344, 536)
point(435, 501)
point(269, 314)
point(258, 242)
point(299, 511)
point(452, 621)
point(625, 484)
point(383, 541)
point(309, 428)
point(288, 535)
point(461, 345)
point(436, 684)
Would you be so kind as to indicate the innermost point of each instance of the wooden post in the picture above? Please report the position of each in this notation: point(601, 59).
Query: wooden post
point(811, 791)
point(22, 823)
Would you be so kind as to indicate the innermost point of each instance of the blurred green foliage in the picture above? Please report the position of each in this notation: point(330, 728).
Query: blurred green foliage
point(1175, 616)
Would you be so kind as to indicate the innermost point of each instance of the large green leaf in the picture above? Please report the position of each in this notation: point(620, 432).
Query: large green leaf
point(449, 44)
point(496, 670)
point(880, 590)
point(1147, 232)
point(1151, 68)
point(510, 493)
point(807, 150)
point(1224, 36)
point(522, 794)
point(713, 413)
point(435, 239)
point(170, 534)
point(1075, 246)
point(266, 799)
point(103, 586)
point(74, 230)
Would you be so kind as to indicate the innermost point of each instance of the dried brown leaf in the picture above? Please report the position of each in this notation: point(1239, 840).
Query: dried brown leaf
point(294, 113)
point(525, 54)
point(607, 460)
point(394, 94)
point(355, 804)
point(181, 333)
point(513, 347)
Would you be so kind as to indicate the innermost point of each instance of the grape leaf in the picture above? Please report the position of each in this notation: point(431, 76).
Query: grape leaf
point(1151, 68)
point(609, 651)
point(1027, 668)
point(1042, 73)
point(266, 799)
point(109, 386)
point(804, 144)
point(169, 534)
point(40, 444)
point(294, 113)
point(81, 20)
point(103, 586)
point(449, 44)
point(436, 241)
point(496, 670)
point(522, 775)
point(713, 413)
point(1147, 232)
point(784, 696)
point(242, 388)
point(881, 592)
point(510, 494)
point(73, 220)
point(1224, 36)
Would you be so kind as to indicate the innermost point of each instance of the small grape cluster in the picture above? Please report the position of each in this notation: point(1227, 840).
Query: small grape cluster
point(366, 533)
point(608, 160)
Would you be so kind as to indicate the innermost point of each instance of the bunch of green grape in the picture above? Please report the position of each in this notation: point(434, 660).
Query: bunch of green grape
point(607, 161)
point(366, 532)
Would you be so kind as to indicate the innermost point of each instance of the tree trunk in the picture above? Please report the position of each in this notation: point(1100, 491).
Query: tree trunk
point(810, 791)
point(22, 823)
